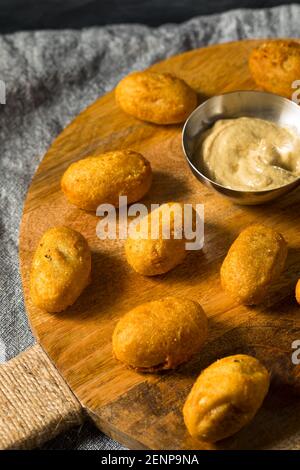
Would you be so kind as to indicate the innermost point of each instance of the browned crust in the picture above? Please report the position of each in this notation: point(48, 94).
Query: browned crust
point(275, 65)
point(160, 335)
point(160, 98)
point(298, 291)
point(101, 179)
point(255, 260)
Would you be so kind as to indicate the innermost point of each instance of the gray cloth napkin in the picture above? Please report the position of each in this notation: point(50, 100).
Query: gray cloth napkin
point(50, 76)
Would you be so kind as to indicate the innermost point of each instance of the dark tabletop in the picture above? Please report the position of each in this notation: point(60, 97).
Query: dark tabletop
point(16, 15)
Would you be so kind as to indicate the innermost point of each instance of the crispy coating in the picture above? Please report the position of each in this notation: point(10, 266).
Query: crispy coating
point(254, 261)
point(298, 291)
point(153, 253)
point(160, 98)
point(160, 335)
point(102, 179)
point(275, 65)
point(225, 397)
point(61, 269)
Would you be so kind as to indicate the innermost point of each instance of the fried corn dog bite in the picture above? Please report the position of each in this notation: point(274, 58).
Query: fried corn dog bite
point(275, 65)
point(61, 269)
point(255, 259)
point(298, 291)
point(160, 335)
point(225, 397)
point(160, 98)
point(102, 179)
point(151, 253)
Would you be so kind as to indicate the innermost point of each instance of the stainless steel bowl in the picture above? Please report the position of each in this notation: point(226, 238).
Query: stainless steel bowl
point(233, 105)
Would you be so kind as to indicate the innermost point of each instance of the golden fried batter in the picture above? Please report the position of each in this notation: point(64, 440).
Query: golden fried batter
point(225, 397)
point(156, 97)
point(160, 335)
point(61, 269)
point(102, 179)
point(254, 261)
point(275, 65)
point(151, 256)
point(298, 291)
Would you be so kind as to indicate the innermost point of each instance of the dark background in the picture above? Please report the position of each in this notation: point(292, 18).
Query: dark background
point(18, 15)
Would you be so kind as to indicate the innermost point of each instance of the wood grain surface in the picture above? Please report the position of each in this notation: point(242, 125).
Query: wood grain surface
point(144, 411)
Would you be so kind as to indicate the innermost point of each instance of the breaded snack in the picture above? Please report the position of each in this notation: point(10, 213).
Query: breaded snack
point(298, 291)
point(254, 261)
point(225, 397)
point(275, 65)
point(154, 249)
point(160, 335)
point(102, 179)
point(61, 269)
point(156, 97)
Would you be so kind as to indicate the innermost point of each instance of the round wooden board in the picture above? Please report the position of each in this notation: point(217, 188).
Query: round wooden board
point(144, 411)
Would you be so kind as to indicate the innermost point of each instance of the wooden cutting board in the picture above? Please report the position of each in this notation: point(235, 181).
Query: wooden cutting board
point(144, 411)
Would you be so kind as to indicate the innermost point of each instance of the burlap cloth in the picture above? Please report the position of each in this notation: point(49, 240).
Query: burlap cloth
point(50, 77)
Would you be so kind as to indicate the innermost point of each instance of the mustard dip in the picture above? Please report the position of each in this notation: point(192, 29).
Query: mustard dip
point(250, 154)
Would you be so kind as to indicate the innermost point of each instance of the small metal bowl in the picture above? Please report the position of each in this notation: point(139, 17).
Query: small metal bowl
point(233, 105)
